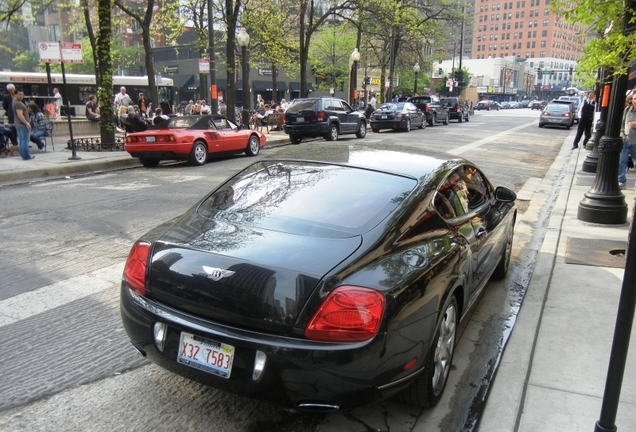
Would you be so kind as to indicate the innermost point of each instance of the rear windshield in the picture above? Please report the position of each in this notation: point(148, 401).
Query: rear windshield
point(392, 106)
point(182, 122)
point(420, 100)
point(302, 105)
point(306, 198)
point(558, 107)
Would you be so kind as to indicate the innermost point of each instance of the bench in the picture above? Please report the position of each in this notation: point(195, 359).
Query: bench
point(80, 127)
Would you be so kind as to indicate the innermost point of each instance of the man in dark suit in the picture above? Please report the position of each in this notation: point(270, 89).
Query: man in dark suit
point(7, 105)
point(586, 118)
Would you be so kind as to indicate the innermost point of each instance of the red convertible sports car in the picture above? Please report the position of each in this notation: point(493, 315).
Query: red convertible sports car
point(192, 138)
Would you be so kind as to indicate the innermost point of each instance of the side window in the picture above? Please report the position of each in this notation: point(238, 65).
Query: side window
point(478, 190)
point(346, 106)
point(455, 191)
point(336, 105)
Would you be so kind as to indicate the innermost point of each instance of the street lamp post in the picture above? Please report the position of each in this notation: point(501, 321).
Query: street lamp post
point(416, 69)
point(355, 58)
point(243, 40)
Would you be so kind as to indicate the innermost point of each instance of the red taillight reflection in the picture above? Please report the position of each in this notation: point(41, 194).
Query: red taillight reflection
point(348, 314)
point(565, 115)
point(135, 269)
point(321, 116)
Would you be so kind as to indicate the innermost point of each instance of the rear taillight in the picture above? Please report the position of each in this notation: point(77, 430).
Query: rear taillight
point(131, 139)
point(135, 269)
point(545, 113)
point(458, 108)
point(565, 115)
point(321, 116)
point(348, 314)
point(398, 116)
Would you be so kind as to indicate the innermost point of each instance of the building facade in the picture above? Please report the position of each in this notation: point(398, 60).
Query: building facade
point(527, 29)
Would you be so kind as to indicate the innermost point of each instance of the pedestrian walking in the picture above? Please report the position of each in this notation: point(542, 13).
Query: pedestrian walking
point(586, 118)
point(629, 140)
point(7, 105)
point(22, 125)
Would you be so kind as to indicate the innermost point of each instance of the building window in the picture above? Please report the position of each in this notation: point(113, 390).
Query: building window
point(544, 33)
point(527, 44)
point(533, 45)
point(547, 12)
point(534, 34)
point(543, 44)
point(529, 35)
point(546, 23)
point(531, 14)
point(529, 23)
point(542, 54)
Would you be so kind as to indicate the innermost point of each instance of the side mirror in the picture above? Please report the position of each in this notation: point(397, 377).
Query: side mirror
point(505, 195)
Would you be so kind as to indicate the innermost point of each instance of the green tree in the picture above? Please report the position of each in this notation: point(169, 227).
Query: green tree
point(105, 69)
point(144, 18)
point(606, 45)
point(329, 54)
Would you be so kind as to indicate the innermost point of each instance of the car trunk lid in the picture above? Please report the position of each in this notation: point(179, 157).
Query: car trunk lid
point(250, 278)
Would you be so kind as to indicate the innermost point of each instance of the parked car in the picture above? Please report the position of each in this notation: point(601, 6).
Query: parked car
point(576, 101)
point(397, 116)
point(514, 104)
point(557, 113)
point(328, 117)
point(321, 285)
point(193, 138)
point(457, 108)
point(432, 109)
point(487, 105)
point(525, 103)
point(505, 105)
point(536, 104)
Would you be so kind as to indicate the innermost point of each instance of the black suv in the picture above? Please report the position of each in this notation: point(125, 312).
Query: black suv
point(432, 109)
point(323, 116)
point(457, 109)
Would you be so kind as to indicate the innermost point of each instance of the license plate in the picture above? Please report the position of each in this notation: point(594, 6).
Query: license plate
point(206, 355)
point(383, 117)
point(555, 120)
point(300, 119)
point(150, 139)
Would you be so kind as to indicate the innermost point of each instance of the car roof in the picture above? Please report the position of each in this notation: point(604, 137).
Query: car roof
point(561, 101)
point(415, 165)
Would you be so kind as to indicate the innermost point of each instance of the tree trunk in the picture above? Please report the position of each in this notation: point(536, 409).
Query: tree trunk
point(274, 84)
point(104, 67)
point(150, 69)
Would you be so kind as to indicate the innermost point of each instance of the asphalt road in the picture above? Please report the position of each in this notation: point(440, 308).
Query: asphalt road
point(67, 364)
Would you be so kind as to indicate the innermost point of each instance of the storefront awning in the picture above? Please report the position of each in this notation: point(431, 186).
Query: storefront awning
point(183, 81)
point(295, 87)
point(260, 85)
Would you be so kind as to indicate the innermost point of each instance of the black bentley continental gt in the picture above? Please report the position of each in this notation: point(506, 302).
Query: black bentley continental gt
point(321, 285)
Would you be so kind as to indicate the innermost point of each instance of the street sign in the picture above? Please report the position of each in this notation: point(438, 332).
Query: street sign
point(49, 52)
point(54, 52)
point(204, 65)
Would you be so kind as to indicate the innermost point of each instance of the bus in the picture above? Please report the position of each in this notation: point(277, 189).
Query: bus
point(35, 84)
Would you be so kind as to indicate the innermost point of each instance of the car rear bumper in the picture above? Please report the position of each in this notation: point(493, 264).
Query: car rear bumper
point(387, 124)
point(556, 122)
point(310, 129)
point(297, 372)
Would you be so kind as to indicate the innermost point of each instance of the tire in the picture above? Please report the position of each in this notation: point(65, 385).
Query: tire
point(198, 154)
point(375, 130)
point(461, 118)
point(488, 108)
point(407, 128)
point(362, 130)
point(332, 135)
point(433, 120)
point(504, 262)
point(149, 163)
point(427, 389)
point(568, 127)
point(541, 125)
point(446, 120)
point(423, 124)
point(295, 139)
point(253, 146)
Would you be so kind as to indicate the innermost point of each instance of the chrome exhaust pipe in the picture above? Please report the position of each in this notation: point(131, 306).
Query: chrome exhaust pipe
point(317, 407)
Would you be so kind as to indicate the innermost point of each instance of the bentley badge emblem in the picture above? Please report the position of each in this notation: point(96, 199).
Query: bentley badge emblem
point(216, 274)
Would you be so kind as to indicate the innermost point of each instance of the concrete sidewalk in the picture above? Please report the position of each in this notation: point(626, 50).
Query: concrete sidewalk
point(553, 370)
point(56, 163)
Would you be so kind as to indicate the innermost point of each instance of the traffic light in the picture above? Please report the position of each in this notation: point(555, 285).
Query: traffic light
point(539, 74)
point(571, 71)
point(440, 72)
point(460, 76)
point(367, 80)
point(456, 75)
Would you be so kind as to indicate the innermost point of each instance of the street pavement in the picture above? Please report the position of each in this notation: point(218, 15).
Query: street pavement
point(552, 374)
